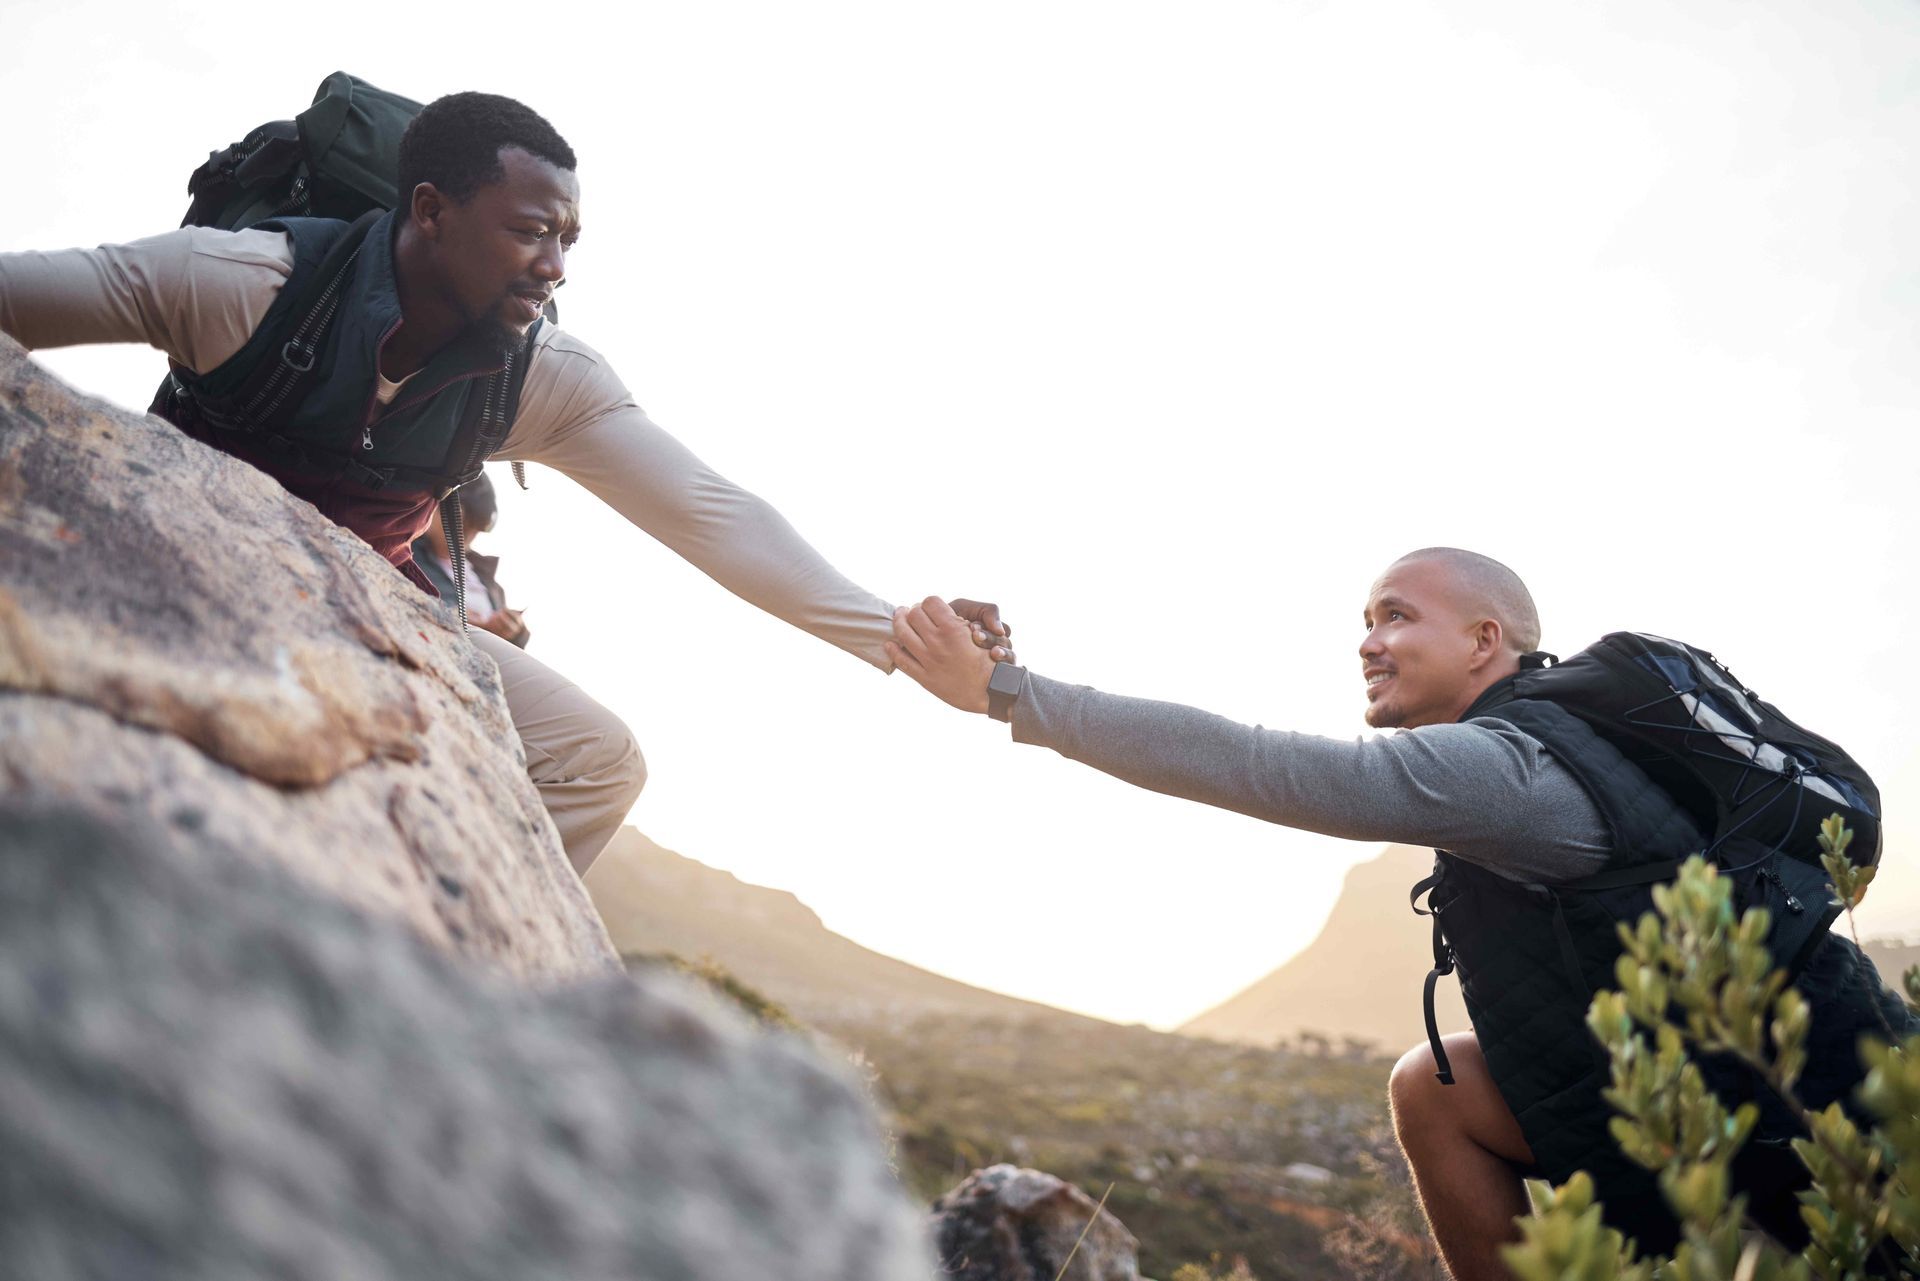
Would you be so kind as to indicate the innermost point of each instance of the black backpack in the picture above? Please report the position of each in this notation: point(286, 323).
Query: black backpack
point(338, 159)
point(1755, 782)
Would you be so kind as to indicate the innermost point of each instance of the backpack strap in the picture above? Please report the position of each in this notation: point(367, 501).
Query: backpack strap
point(274, 388)
point(268, 398)
point(261, 176)
point(1442, 966)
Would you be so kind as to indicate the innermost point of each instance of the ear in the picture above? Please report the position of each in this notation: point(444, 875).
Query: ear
point(425, 208)
point(1489, 639)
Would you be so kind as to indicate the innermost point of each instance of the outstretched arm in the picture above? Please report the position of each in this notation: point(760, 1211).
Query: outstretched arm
point(195, 294)
point(576, 416)
point(1482, 789)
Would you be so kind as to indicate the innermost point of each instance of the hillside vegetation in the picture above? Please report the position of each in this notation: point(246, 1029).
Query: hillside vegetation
point(1282, 1157)
point(1271, 1144)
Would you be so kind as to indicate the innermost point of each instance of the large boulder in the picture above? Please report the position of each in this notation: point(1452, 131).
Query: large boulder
point(296, 981)
point(1005, 1223)
point(209, 1070)
point(184, 643)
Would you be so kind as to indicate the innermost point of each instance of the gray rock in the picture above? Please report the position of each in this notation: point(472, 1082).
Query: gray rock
point(185, 644)
point(1005, 1223)
point(209, 1070)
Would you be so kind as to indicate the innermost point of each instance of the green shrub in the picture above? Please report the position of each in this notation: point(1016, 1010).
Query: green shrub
point(1694, 978)
point(722, 982)
point(1236, 1271)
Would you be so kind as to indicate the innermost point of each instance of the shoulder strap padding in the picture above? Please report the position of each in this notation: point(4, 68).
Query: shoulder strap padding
point(1648, 822)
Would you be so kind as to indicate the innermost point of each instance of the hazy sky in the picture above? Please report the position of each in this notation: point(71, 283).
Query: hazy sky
point(1166, 326)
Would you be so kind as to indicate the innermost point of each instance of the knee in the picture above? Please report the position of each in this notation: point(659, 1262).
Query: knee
point(1411, 1088)
point(600, 758)
point(625, 769)
point(1418, 1097)
point(1428, 1116)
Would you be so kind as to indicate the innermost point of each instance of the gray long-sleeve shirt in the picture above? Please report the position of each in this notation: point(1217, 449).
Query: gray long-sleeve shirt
point(1480, 789)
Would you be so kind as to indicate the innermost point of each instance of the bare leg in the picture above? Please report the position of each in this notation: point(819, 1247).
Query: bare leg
point(1466, 1151)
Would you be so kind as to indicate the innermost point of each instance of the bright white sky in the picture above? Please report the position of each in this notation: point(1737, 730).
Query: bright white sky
point(1167, 326)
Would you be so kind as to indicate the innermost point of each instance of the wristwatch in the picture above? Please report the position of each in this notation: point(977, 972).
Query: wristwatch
point(1003, 688)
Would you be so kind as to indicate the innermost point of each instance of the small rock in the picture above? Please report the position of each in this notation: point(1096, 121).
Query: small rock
point(1005, 1223)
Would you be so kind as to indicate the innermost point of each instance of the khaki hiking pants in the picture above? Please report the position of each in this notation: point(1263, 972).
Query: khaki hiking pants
point(580, 756)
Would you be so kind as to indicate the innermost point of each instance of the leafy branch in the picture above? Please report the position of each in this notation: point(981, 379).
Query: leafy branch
point(1696, 978)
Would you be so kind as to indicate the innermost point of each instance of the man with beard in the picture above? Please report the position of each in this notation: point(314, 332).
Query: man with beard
point(438, 298)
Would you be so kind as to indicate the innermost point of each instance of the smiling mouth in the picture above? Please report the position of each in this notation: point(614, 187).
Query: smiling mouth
point(1377, 681)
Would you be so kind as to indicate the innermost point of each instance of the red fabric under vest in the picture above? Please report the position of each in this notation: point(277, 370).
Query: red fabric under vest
point(387, 520)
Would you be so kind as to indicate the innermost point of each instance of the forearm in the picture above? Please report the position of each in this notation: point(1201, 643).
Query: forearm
point(1463, 788)
point(730, 534)
point(741, 542)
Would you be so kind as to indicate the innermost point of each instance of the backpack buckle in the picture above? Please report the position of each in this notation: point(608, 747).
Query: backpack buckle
point(288, 357)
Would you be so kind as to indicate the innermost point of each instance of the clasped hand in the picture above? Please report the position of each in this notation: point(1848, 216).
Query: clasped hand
point(950, 649)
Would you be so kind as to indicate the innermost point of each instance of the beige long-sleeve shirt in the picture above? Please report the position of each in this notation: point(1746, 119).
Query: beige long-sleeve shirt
point(198, 293)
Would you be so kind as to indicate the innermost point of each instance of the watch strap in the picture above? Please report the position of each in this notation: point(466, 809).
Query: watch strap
point(1003, 689)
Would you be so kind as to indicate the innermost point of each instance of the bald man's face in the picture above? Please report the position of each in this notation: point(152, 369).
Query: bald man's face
point(1422, 659)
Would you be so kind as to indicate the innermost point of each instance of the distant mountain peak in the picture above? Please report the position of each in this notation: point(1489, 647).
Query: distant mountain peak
point(1360, 977)
point(654, 900)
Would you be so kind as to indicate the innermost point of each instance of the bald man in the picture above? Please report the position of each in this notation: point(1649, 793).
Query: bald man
point(1443, 627)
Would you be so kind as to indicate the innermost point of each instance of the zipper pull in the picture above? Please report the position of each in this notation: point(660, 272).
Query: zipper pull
point(366, 437)
point(1793, 903)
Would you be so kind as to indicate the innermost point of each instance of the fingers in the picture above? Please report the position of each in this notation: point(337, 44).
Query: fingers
point(928, 629)
point(939, 611)
point(906, 662)
point(985, 614)
point(934, 624)
point(905, 638)
point(934, 631)
point(934, 646)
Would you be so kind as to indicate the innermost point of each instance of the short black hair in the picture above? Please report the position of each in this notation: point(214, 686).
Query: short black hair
point(455, 143)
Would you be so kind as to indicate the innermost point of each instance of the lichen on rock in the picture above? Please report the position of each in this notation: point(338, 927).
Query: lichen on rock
point(183, 641)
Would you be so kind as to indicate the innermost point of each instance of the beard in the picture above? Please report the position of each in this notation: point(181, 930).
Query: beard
point(493, 334)
point(497, 330)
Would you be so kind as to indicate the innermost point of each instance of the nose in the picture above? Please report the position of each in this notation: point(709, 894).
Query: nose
point(1370, 645)
point(551, 265)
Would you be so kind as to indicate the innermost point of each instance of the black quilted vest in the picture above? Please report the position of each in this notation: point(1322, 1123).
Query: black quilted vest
point(337, 426)
point(379, 471)
point(1530, 956)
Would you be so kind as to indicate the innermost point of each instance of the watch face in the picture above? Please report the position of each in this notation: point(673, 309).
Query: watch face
point(1006, 679)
